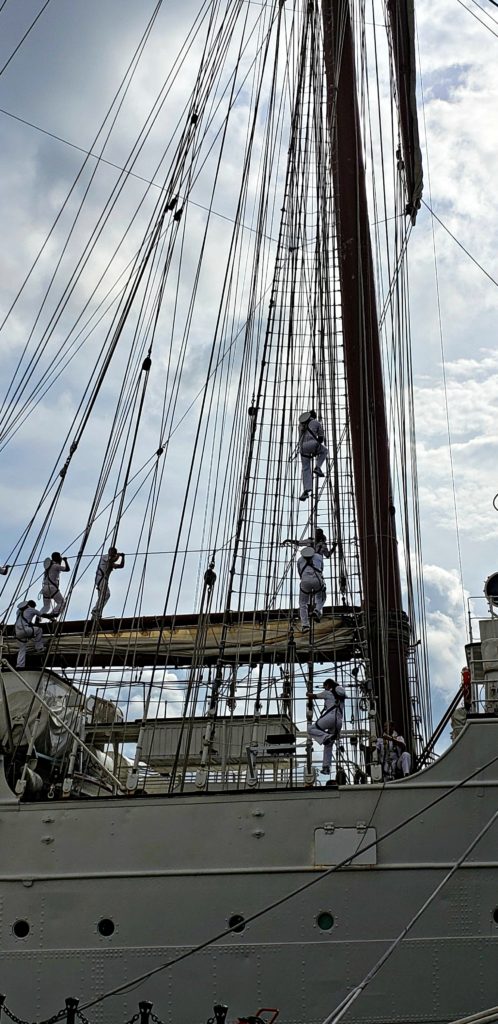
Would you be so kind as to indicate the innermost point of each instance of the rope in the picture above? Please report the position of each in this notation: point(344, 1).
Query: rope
point(336, 1015)
point(26, 34)
point(273, 905)
point(445, 391)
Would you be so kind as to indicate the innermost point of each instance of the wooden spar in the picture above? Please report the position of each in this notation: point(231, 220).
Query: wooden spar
point(387, 628)
point(402, 22)
point(244, 638)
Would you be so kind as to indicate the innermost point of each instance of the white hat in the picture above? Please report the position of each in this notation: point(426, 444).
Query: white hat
point(307, 552)
point(305, 417)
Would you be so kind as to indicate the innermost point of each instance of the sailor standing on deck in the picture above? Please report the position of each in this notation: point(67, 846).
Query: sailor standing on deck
point(26, 629)
point(311, 446)
point(327, 727)
point(310, 569)
point(53, 567)
point(114, 559)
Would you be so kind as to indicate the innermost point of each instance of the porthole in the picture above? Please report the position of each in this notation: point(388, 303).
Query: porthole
point(236, 922)
point(325, 921)
point(495, 915)
point(106, 926)
point(21, 929)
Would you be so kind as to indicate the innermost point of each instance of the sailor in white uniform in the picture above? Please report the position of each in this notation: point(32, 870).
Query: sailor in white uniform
point(327, 727)
point(114, 559)
point(318, 542)
point(26, 630)
point(51, 594)
point(311, 446)
point(310, 569)
point(392, 753)
point(403, 758)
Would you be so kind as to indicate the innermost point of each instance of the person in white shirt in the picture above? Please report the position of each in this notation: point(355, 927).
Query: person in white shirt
point(51, 594)
point(318, 542)
point(328, 726)
point(392, 753)
point(26, 630)
point(310, 569)
point(114, 559)
point(311, 446)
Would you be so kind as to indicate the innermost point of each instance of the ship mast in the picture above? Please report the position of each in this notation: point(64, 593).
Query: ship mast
point(386, 625)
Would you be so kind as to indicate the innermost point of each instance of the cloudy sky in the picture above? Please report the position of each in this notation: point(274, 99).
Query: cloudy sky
point(62, 81)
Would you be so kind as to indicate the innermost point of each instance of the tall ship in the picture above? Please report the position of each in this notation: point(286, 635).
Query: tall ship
point(220, 780)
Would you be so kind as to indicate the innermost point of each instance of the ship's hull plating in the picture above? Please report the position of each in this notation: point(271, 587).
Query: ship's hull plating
point(170, 872)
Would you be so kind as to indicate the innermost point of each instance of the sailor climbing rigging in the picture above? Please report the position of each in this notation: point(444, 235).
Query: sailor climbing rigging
point(310, 569)
point(327, 727)
point(318, 542)
point(311, 446)
point(26, 629)
point(51, 594)
point(114, 559)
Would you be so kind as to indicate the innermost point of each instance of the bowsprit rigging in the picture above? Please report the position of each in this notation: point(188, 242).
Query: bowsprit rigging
point(250, 300)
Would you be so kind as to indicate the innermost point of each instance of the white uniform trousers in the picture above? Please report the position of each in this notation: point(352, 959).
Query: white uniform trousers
point(310, 450)
point(405, 763)
point(392, 764)
point(310, 585)
point(326, 731)
point(49, 596)
point(37, 637)
point(104, 594)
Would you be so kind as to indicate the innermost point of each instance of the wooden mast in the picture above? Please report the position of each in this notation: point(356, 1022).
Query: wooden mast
point(387, 628)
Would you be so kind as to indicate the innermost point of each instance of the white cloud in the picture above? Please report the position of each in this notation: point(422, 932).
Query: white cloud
point(446, 609)
point(460, 78)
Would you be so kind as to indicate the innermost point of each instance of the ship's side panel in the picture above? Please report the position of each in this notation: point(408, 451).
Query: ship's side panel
point(110, 890)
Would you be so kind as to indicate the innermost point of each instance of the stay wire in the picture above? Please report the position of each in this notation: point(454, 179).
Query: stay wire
point(477, 18)
point(443, 368)
point(190, 312)
point(185, 199)
point(111, 454)
point(460, 244)
point(484, 11)
point(160, 198)
point(204, 391)
point(130, 70)
point(297, 891)
point(26, 34)
point(338, 1013)
point(110, 163)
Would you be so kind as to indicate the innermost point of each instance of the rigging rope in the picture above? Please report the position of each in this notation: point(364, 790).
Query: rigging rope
point(443, 369)
point(274, 904)
point(251, 477)
point(26, 34)
point(122, 88)
point(338, 1013)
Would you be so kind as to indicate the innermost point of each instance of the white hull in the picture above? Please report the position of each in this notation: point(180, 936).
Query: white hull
point(170, 872)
